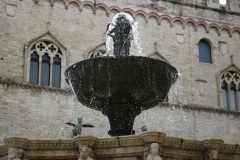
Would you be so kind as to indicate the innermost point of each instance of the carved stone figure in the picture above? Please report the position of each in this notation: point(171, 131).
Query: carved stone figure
point(153, 154)
point(86, 153)
point(16, 154)
point(212, 154)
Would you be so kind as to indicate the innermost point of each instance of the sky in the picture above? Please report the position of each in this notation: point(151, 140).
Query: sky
point(222, 2)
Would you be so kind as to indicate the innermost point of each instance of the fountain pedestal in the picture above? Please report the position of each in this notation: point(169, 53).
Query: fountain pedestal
point(121, 118)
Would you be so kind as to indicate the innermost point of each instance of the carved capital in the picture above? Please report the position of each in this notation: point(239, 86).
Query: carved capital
point(16, 142)
point(16, 154)
point(211, 154)
point(151, 137)
point(212, 143)
point(85, 140)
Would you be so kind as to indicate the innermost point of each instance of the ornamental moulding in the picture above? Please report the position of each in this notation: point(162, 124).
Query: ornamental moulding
point(156, 16)
point(133, 145)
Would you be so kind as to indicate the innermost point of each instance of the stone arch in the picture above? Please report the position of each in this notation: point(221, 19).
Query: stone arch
point(207, 40)
point(155, 16)
point(114, 8)
point(104, 7)
point(175, 19)
point(78, 3)
point(167, 17)
point(236, 30)
point(191, 21)
point(213, 25)
point(227, 29)
point(201, 23)
point(139, 12)
point(90, 4)
point(97, 51)
point(129, 11)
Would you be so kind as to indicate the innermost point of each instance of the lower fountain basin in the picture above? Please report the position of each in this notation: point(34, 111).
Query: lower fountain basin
point(122, 87)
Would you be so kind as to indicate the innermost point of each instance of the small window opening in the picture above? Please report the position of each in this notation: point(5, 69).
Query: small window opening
point(204, 52)
point(223, 2)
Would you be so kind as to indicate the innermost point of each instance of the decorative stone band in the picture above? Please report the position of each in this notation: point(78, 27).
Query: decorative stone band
point(150, 137)
point(16, 142)
point(158, 17)
point(212, 144)
point(36, 87)
point(121, 146)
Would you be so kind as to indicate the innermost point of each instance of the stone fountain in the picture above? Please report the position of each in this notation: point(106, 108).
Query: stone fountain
point(121, 86)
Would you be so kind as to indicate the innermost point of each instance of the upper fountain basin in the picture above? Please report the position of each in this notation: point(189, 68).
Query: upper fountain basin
point(103, 81)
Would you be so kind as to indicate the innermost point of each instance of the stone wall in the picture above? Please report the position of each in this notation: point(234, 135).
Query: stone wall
point(83, 31)
point(79, 26)
point(42, 112)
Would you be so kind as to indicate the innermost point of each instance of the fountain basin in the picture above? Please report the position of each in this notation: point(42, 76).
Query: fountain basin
point(121, 87)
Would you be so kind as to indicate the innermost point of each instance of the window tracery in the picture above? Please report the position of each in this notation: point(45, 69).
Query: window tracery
point(45, 64)
point(98, 53)
point(230, 88)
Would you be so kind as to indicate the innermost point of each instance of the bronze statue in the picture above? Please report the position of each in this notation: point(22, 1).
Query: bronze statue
point(121, 32)
point(77, 130)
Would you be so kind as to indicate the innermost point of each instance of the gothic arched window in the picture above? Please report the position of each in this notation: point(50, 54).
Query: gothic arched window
point(204, 52)
point(45, 64)
point(230, 82)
